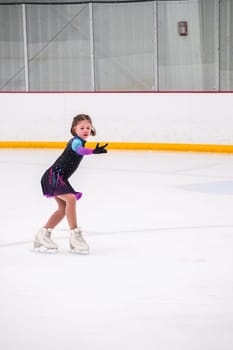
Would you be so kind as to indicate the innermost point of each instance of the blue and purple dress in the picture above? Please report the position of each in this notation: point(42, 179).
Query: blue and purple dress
point(55, 182)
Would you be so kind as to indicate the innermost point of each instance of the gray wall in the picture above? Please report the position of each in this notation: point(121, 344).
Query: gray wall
point(116, 46)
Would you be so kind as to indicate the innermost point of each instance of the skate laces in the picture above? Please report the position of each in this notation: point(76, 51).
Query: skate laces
point(48, 234)
point(78, 236)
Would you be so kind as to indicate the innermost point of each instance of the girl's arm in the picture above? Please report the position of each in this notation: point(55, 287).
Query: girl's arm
point(79, 149)
point(82, 151)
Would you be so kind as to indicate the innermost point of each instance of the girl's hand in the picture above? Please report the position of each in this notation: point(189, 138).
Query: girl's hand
point(100, 149)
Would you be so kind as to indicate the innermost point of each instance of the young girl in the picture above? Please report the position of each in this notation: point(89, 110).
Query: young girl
point(55, 184)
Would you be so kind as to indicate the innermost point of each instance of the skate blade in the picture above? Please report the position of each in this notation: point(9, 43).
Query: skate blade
point(80, 252)
point(43, 250)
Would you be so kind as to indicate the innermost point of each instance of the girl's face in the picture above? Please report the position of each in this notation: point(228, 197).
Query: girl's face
point(83, 129)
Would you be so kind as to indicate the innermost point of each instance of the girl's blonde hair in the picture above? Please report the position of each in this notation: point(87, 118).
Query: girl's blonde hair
point(77, 119)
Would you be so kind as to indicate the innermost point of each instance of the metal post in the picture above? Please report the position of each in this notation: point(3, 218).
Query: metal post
point(228, 46)
point(156, 61)
point(92, 56)
point(217, 44)
point(25, 47)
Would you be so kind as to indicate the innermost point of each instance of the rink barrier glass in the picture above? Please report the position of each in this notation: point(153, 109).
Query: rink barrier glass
point(134, 146)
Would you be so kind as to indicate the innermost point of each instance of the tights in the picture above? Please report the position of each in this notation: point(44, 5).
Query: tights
point(66, 207)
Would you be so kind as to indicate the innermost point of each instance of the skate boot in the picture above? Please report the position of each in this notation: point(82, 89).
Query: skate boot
point(77, 243)
point(43, 239)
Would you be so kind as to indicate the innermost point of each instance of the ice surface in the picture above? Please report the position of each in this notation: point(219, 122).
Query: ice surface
point(160, 270)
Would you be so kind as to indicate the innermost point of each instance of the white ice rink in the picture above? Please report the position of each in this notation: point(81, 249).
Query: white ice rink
point(160, 271)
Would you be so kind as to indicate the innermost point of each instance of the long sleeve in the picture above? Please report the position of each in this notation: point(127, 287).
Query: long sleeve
point(77, 146)
point(82, 151)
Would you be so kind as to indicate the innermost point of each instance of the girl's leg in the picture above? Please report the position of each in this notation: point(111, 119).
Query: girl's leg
point(70, 209)
point(43, 236)
point(77, 243)
point(58, 215)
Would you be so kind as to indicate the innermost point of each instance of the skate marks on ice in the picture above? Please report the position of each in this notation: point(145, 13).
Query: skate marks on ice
point(91, 233)
point(216, 187)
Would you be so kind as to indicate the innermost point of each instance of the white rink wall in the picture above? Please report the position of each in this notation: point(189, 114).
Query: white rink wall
point(192, 118)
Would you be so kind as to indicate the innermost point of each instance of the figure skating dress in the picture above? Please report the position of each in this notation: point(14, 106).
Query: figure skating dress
point(55, 182)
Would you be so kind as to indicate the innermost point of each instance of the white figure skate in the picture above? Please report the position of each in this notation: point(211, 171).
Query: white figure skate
point(77, 242)
point(43, 239)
